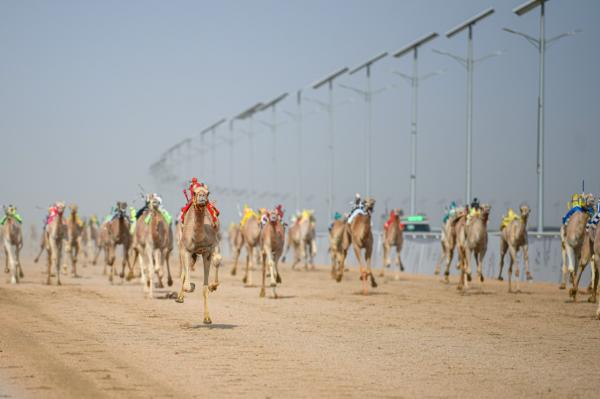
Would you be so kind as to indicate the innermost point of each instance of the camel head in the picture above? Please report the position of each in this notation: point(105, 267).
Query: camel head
point(60, 208)
point(369, 204)
point(273, 216)
point(154, 203)
point(121, 210)
point(10, 210)
point(398, 213)
point(200, 196)
point(524, 208)
point(588, 200)
point(485, 212)
point(73, 208)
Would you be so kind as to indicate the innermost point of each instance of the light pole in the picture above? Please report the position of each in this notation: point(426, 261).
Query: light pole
point(248, 114)
point(469, 64)
point(367, 94)
point(273, 126)
point(540, 44)
point(298, 118)
point(212, 129)
point(329, 81)
point(414, 79)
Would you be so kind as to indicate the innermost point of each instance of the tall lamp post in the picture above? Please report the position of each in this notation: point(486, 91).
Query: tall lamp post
point(414, 79)
point(212, 129)
point(540, 44)
point(248, 114)
point(273, 126)
point(469, 64)
point(328, 80)
point(367, 94)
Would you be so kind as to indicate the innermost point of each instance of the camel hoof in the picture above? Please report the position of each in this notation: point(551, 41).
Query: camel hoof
point(170, 282)
point(459, 288)
point(446, 280)
point(21, 275)
point(58, 282)
point(245, 280)
point(468, 276)
point(562, 286)
point(6, 270)
point(338, 278)
point(192, 287)
point(213, 287)
point(435, 272)
point(500, 278)
point(278, 279)
point(207, 320)
point(179, 299)
point(130, 276)
point(233, 272)
point(373, 283)
point(275, 296)
point(402, 269)
point(573, 293)
point(262, 293)
point(592, 299)
point(529, 276)
point(481, 279)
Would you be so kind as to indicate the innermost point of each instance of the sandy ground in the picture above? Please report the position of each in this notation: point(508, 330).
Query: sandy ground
point(415, 337)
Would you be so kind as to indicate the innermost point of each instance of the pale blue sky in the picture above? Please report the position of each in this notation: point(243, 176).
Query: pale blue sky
point(93, 92)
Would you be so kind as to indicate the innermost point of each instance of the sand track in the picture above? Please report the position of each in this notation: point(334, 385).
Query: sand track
point(412, 338)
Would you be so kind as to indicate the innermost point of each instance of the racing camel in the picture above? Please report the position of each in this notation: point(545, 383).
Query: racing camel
point(272, 237)
point(472, 239)
point(74, 237)
point(513, 237)
point(116, 232)
point(392, 237)
point(236, 242)
point(454, 222)
point(340, 240)
point(302, 239)
point(577, 244)
point(12, 243)
point(158, 247)
point(251, 233)
point(55, 233)
point(199, 237)
point(362, 238)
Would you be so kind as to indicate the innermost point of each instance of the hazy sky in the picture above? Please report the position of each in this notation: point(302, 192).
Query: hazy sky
point(93, 92)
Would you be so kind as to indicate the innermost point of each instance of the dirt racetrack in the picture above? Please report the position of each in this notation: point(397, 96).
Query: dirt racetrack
point(415, 337)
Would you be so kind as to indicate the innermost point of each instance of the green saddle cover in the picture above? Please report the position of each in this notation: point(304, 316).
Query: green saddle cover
point(165, 214)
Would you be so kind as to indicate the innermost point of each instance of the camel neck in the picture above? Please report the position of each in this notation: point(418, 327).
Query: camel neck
point(198, 220)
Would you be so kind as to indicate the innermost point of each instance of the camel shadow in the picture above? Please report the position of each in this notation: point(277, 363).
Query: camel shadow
point(370, 293)
point(212, 327)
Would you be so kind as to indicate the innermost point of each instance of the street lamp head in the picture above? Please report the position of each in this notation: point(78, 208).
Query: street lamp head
point(415, 44)
point(273, 102)
point(213, 126)
point(528, 6)
point(249, 112)
point(469, 22)
point(369, 62)
point(329, 78)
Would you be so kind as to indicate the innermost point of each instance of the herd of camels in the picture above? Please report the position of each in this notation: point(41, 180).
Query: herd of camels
point(148, 240)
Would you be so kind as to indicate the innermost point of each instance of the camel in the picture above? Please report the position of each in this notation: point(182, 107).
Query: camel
point(578, 248)
point(12, 242)
point(448, 239)
point(199, 237)
point(272, 237)
point(340, 240)
point(251, 234)
point(472, 239)
point(513, 237)
point(236, 242)
point(392, 237)
point(158, 246)
point(54, 235)
point(74, 237)
point(597, 257)
point(302, 238)
point(362, 238)
point(116, 232)
point(138, 246)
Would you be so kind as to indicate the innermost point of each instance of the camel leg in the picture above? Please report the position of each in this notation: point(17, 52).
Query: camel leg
point(399, 258)
point(18, 253)
point(207, 260)
point(503, 249)
point(150, 259)
point(236, 257)
point(573, 264)
point(386, 261)
point(247, 280)
point(333, 255)
point(563, 253)
point(438, 265)
point(37, 258)
point(297, 257)
point(58, 255)
point(49, 265)
point(169, 277)
point(515, 261)
point(340, 260)
point(264, 275)
point(10, 258)
point(449, 257)
point(510, 270)
point(158, 266)
point(141, 255)
point(525, 250)
point(6, 262)
point(302, 254)
point(576, 284)
point(361, 269)
point(273, 271)
point(594, 281)
point(216, 261)
point(312, 252)
point(368, 254)
point(186, 259)
point(74, 254)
